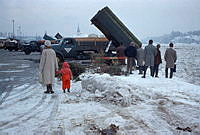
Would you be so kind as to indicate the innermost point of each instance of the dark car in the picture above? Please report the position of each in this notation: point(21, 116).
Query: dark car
point(12, 44)
point(32, 46)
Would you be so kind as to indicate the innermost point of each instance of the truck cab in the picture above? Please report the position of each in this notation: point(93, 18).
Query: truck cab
point(79, 48)
point(68, 47)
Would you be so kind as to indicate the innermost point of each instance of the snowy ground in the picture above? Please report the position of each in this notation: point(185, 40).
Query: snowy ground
point(137, 105)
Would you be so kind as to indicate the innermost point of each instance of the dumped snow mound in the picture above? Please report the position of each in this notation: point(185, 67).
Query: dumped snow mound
point(150, 105)
point(105, 88)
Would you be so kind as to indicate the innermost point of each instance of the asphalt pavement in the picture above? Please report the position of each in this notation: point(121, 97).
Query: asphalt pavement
point(17, 69)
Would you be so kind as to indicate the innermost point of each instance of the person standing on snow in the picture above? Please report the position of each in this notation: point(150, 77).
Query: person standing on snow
point(170, 58)
point(149, 55)
point(130, 52)
point(120, 53)
point(140, 59)
point(48, 66)
point(157, 61)
point(66, 76)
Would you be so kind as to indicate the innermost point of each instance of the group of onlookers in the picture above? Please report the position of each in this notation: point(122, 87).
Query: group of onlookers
point(150, 57)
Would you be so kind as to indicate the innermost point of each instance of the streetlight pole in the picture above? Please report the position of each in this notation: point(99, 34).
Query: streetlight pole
point(13, 21)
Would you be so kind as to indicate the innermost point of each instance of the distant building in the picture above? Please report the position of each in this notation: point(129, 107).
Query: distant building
point(78, 31)
point(92, 35)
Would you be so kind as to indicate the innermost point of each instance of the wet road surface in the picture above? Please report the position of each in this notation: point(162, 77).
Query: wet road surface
point(17, 69)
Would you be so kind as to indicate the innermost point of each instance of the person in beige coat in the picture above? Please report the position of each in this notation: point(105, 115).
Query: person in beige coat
point(48, 67)
point(170, 58)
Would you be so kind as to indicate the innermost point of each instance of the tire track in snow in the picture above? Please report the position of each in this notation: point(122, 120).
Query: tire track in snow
point(173, 120)
point(19, 98)
point(5, 124)
point(6, 95)
point(32, 116)
point(8, 91)
point(54, 109)
point(50, 119)
point(125, 114)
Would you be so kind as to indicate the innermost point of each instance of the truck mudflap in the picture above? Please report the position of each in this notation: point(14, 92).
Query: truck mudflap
point(110, 25)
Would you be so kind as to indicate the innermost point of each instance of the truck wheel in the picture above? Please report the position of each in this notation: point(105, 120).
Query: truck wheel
point(27, 51)
point(59, 58)
point(16, 49)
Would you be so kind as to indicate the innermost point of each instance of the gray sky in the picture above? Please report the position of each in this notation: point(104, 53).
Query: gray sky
point(143, 17)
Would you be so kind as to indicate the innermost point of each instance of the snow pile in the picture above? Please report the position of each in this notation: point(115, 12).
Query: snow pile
point(108, 89)
point(155, 105)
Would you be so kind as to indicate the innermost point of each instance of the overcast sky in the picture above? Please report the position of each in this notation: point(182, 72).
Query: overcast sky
point(144, 18)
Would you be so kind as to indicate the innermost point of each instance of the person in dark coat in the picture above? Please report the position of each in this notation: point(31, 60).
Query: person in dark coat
point(170, 58)
point(131, 53)
point(157, 61)
point(149, 55)
point(140, 59)
point(120, 54)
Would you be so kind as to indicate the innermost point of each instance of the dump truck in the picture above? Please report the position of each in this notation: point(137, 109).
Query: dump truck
point(80, 48)
point(114, 30)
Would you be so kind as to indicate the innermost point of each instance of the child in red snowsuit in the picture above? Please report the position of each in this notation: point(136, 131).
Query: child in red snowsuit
point(66, 76)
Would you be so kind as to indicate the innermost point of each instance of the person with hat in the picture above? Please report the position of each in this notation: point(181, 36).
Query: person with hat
point(48, 67)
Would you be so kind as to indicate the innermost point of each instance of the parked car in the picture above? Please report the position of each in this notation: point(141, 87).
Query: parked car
point(12, 44)
point(1, 44)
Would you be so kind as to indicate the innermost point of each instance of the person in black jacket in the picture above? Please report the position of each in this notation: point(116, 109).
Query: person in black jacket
point(130, 52)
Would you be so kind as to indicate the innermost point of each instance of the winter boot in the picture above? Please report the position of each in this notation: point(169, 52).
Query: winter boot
point(48, 90)
point(68, 90)
point(63, 91)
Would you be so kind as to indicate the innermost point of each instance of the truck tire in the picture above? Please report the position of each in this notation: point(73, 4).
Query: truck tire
point(16, 49)
point(27, 51)
point(59, 58)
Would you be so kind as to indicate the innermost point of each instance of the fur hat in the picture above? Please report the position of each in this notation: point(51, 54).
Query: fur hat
point(47, 43)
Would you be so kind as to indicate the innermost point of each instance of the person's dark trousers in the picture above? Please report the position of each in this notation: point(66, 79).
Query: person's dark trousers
point(171, 72)
point(156, 67)
point(151, 71)
point(145, 70)
point(141, 68)
point(129, 64)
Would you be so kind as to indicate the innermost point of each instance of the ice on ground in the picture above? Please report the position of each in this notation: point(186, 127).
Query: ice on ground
point(138, 106)
point(11, 71)
point(4, 64)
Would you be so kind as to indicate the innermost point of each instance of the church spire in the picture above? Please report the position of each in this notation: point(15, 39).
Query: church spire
point(78, 30)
